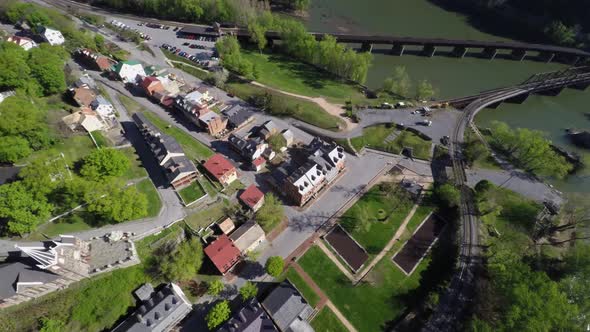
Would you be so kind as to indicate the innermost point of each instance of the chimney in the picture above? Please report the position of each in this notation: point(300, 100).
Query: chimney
point(174, 300)
point(167, 306)
point(157, 315)
point(139, 318)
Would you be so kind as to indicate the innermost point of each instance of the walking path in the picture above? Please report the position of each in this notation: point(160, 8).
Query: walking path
point(324, 300)
point(334, 259)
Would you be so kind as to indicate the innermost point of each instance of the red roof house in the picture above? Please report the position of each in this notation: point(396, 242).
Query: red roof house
point(223, 253)
point(221, 169)
point(258, 163)
point(252, 197)
point(151, 84)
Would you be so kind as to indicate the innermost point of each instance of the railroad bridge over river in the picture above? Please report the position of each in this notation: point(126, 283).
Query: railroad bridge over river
point(424, 46)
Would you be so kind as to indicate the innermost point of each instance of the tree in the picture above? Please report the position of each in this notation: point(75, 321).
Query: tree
point(424, 90)
point(219, 77)
point(103, 163)
point(448, 195)
point(15, 71)
point(183, 262)
point(215, 287)
point(13, 148)
point(398, 83)
point(20, 210)
point(51, 325)
point(114, 204)
point(248, 291)
point(561, 34)
point(475, 150)
point(271, 213)
point(274, 266)
point(257, 35)
point(22, 118)
point(47, 68)
point(217, 315)
point(277, 141)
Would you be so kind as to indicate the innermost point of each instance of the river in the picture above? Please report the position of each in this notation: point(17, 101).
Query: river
point(454, 77)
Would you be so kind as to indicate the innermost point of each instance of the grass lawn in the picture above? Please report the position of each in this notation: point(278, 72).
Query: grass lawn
point(371, 304)
point(199, 73)
point(136, 169)
point(303, 110)
point(61, 226)
point(233, 187)
point(326, 321)
point(193, 149)
point(146, 187)
point(100, 139)
point(380, 232)
point(308, 293)
point(191, 193)
point(130, 105)
point(374, 137)
point(487, 163)
point(284, 73)
point(73, 148)
point(107, 298)
point(203, 216)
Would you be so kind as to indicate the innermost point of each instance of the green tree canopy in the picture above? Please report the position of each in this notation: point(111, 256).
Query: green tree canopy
point(47, 68)
point(398, 83)
point(257, 34)
point(13, 148)
point(424, 90)
point(217, 315)
point(271, 213)
point(21, 118)
point(448, 195)
point(103, 163)
point(15, 73)
point(248, 291)
point(20, 210)
point(215, 287)
point(51, 325)
point(561, 34)
point(274, 266)
point(184, 262)
point(277, 141)
point(113, 204)
point(231, 57)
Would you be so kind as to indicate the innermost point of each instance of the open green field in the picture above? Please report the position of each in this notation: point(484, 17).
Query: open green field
point(100, 139)
point(191, 193)
point(385, 215)
point(370, 305)
point(130, 105)
point(283, 73)
point(308, 293)
point(136, 169)
point(193, 149)
point(326, 321)
point(374, 137)
point(107, 297)
point(73, 148)
point(303, 110)
point(146, 187)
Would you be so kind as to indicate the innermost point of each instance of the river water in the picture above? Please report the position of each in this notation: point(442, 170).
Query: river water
point(454, 77)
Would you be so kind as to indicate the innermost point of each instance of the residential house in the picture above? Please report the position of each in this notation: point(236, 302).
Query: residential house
point(248, 237)
point(252, 197)
point(129, 71)
point(179, 170)
point(221, 169)
point(267, 129)
point(288, 136)
point(250, 148)
point(35, 270)
point(103, 107)
point(94, 60)
point(238, 116)
point(85, 82)
point(258, 164)
point(288, 309)
point(52, 36)
point(85, 118)
point(250, 318)
point(213, 122)
point(150, 85)
point(170, 85)
point(160, 310)
point(223, 253)
point(226, 226)
point(83, 96)
point(302, 181)
point(24, 42)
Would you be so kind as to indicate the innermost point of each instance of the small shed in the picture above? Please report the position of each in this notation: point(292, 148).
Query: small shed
point(226, 226)
point(248, 236)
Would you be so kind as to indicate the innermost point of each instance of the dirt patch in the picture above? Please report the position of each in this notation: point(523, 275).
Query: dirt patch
point(351, 252)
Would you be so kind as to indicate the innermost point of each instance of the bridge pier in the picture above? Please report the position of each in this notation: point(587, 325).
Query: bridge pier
point(574, 60)
point(519, 54)
point(460, 51)
point(580, 86)
point(551, 92)
point(518, 99)
point(429, 50)
point(367, 47)
point(494, 105)
point(398, 49)
point(490, 52)
point(547, 56)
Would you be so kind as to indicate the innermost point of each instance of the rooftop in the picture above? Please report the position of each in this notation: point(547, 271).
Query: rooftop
point(250, 318)
point(218, 166)
point(246, 235)
point(251, 196)
point(286, 305)
point(223, 253)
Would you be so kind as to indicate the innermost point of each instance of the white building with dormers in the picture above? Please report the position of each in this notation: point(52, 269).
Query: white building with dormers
point(52, 36)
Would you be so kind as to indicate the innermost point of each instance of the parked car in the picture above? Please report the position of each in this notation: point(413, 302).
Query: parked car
point(386, 105)
point(426, 123)
point(185, 44)
point(193, 46)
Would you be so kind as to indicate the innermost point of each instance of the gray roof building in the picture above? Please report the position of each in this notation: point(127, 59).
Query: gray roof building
point(238, 116)
point(163, 310)
point(250, 318)
point(17, 276)
point(84, 82)
point(288, 309)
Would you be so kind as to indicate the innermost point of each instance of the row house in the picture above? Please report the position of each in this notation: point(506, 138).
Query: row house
point(301, 182)
point(249, 148)
point(94, 60)
point(179, 170)
point(24, 42)
point(195, 106)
